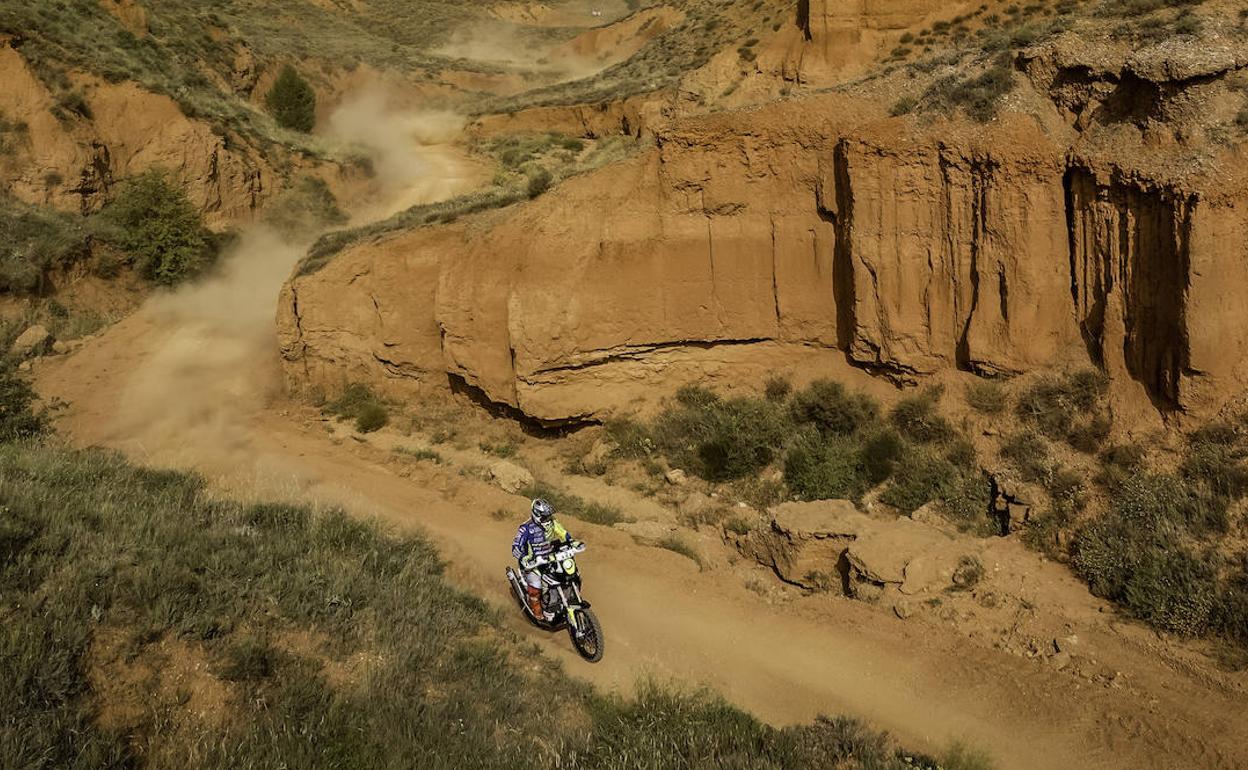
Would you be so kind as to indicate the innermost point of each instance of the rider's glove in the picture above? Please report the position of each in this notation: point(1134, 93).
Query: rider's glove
point(527, 562)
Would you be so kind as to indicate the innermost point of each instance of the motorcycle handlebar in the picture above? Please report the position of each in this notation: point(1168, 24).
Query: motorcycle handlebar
point(560, 555)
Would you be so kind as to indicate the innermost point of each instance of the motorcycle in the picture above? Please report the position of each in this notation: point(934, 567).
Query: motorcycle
point(562, 601)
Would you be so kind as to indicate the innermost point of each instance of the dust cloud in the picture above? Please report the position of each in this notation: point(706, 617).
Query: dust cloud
point(205, 371)
point(411, 152)
point(505, 46)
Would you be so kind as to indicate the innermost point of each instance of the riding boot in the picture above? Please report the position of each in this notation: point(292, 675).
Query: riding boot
point(535, 601)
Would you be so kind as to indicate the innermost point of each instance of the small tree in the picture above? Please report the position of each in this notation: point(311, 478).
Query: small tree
point(292, 101)
point(159, 228)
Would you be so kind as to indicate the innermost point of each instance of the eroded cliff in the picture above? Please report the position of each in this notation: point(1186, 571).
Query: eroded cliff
point(807, 231)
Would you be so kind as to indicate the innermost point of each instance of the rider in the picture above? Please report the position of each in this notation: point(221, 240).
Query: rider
point(536, 539)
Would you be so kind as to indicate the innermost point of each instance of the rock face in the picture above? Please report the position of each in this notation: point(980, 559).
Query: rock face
point(75, 164)
point(828, 40)
point(831, 545)
point(806, 232)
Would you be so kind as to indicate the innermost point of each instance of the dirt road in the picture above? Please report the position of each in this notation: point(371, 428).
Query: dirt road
point(154, 388)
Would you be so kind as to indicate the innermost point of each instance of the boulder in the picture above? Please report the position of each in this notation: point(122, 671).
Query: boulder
point(676, 477)
point(1066, 644)
point(883, 556)
point(924, 573)
point(820, 519)
point(708, 547)
point(510, 477)
point(903, 609)
point(32, 341)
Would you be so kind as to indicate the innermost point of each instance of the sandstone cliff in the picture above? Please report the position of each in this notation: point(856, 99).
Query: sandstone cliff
point(807, 231)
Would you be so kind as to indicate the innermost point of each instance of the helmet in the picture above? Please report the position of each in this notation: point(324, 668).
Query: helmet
point(543, 511)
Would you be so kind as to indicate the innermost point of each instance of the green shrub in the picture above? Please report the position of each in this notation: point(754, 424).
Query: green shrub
point(422, 454)
point(777, 388)
point(917, 419)
point(18, 418)
point(959, 756)
point(539, 182)
point(631, 438)
point(987, 397)
point(1215, 460)
point(718, 439)
point(371, 417)
point(1231, 614)
point(918, 480)
point(359, 404)
point(1163, 502)
point(1138, 554)
point(1088, 436)
point(1065, 488)
point(502, 449)
point(1118, 462)
point(154, 222)
point(829, 407)
point(923, 477)
point(826, 468)
point(817, 745)
point(880, 454)
point(1068, 408)
point(968, 573)
point(1029, 454)
point(291, 101)
point(978, 95)
point(961, 453)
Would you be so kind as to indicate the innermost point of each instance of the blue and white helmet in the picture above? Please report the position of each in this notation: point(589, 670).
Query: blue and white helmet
point(542, 511)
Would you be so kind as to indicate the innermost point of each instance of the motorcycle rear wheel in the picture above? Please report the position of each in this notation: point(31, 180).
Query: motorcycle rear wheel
point(589, 642)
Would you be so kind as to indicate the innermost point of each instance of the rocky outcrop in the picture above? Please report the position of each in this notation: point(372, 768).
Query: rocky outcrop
point(825, 41)
point(73, 164)
point(830, 545)
point(634, 116)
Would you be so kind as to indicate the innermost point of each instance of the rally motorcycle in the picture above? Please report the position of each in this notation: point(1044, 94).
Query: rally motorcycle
point(562, 601)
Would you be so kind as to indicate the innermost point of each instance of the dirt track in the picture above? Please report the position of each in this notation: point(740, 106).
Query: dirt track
point(150, 387)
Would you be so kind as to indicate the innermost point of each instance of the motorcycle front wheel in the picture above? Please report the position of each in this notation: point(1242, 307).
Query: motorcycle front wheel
point(588, 642)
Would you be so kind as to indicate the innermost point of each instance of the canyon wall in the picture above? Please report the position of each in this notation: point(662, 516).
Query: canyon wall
point(72, 161)
point(786, 237)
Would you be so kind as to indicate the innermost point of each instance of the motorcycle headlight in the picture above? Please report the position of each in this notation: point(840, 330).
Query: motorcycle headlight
point(569, 566)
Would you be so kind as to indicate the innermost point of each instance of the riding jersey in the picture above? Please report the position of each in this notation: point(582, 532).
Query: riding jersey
point(537, 541)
